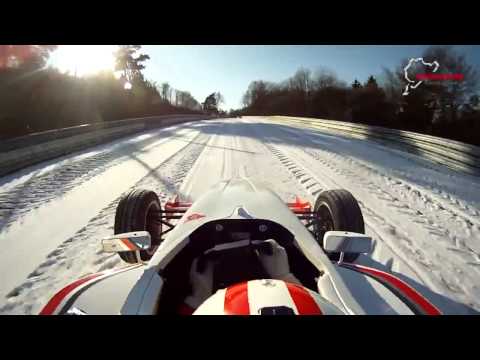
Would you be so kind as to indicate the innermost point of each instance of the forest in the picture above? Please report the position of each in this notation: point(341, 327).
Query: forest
point(36, 97)
point(448, 109)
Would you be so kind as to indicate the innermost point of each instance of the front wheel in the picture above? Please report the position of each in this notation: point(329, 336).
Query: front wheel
point(139, 210)
point(337, 210)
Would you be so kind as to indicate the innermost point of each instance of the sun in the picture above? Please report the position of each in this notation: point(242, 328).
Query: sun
point(83, 60)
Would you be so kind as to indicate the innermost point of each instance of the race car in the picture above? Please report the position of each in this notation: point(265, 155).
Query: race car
point(239, 249)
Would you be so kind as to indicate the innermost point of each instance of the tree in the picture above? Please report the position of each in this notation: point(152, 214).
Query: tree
point(300, 86)
point(37, 98)
point(130, 63)
point(165, 91)
point(186, 100)
point(329, 96)
point(219, 99)
point(356, 84)
point(473, 104)
point(448, 109)
point(416, 112)
point(370, 105)
point(189, 101)
point(330, 102)
point(301, 81)
point(34, 56)
point(393, 84)
point(177, 98)
point(210, 103)
point(324, 78)
point(371, 83)
point(257, 97)
point(302, 94)
point(451, 96)
point(435, 107)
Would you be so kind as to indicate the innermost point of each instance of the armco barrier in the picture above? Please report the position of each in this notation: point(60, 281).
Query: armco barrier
point(24, 151)
point(454, 154)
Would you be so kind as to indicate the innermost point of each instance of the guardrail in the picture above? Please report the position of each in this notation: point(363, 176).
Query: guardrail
point(454, 154)
point(24, 151)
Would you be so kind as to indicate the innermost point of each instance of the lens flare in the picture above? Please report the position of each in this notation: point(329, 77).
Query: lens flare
point(83, 60)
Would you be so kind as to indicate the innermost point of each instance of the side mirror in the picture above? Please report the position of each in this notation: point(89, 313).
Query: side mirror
point(346, 242)
point(131, 241)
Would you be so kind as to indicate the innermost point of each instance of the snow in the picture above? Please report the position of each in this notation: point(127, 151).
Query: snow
point(423, 217)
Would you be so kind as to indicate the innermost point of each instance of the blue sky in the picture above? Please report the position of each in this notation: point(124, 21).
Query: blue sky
point(203, 69)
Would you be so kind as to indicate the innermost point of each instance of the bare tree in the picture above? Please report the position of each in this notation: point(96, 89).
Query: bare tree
point(257, 91)
point(165, 91)
point(301, 81)
point(189, 101)
point(324, 78)
point(18, 55)
point(186, 100)
point(392, 84)
point(130, 63)
point(452, 95)
point(219, 99)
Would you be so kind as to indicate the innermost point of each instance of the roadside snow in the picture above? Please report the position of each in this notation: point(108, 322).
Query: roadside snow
point(39, 231)
point(426, 215)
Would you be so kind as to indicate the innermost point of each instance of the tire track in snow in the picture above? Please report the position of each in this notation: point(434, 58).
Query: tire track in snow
point(309, 185)
point(452, 175)
point(391, 254)
point(428, 208)
point(81, 254)
point(439, 199)
point(428, 218)
point(436, 280)
point(31, 194)
point(315, 186)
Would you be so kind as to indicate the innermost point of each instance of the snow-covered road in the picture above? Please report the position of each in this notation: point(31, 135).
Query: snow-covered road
point(424, 218)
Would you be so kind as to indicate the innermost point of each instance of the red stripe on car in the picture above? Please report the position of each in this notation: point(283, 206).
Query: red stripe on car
point(407, 290)
point(305, 303)
point(194, 216)
point(52, 305)
point(236, 300)
point(129, 244)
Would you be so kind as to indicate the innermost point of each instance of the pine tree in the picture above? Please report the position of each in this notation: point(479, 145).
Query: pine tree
point(130, 63)
point(371, 83)
point(356, 84)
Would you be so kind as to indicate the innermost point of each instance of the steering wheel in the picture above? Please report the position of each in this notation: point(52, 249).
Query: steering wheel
point(234, 265)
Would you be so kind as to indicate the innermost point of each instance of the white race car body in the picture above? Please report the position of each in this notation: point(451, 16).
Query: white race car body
point(137, 289)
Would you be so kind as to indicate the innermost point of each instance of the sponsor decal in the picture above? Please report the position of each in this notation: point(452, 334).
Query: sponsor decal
point(194, 216)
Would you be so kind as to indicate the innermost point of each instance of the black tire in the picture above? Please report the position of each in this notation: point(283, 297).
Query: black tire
point(337, 210)
point(139, 211)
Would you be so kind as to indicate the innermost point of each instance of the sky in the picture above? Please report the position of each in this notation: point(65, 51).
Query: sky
point(203, 69)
